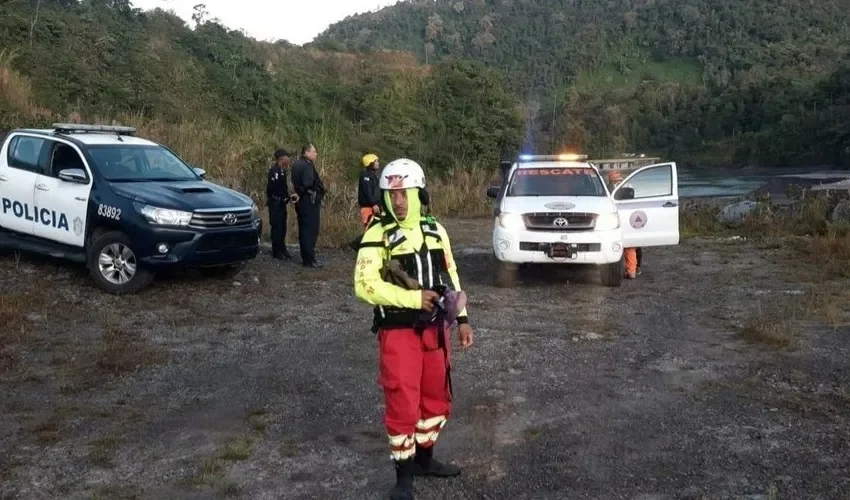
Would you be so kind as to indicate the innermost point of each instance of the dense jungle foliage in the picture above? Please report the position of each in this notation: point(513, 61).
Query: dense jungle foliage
point(105, 58)
point(456, 84)
point(709, 81)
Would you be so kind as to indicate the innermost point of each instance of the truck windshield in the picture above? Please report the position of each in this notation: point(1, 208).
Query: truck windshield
point(139, 163)
point(572, 181)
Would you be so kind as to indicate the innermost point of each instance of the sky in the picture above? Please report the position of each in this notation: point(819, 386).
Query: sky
point(296, 21)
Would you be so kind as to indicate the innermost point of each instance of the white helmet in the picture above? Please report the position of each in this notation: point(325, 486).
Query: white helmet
point(402, 174)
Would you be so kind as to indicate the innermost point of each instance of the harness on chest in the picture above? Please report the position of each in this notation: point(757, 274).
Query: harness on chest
point(413, 269)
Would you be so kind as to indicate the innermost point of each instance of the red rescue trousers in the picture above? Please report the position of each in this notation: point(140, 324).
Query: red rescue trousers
point(416, 389)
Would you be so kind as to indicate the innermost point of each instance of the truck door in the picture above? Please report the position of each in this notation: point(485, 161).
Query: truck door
point(63, 202)
point(20, 162)
point(651, 217)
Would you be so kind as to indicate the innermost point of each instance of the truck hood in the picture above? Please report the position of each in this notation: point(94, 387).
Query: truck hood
point(181, 195)
point(528, 204)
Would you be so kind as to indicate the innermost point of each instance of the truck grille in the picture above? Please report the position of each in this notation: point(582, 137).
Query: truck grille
point(207, 219)
point(559, 221)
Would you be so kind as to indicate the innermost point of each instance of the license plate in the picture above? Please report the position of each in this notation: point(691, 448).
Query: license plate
point(565, 237)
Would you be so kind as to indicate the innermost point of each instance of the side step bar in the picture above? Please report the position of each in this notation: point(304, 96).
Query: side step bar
point(15, 241)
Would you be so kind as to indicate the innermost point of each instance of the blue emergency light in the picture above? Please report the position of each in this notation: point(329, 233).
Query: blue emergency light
point(560, 157)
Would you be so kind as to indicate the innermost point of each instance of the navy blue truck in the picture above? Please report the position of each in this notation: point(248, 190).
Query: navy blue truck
point(123, 205)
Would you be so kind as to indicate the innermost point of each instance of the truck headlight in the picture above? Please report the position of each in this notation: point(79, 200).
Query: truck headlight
point(255, 211)
point(511, 222)
point(165, 216)
point(608, 222)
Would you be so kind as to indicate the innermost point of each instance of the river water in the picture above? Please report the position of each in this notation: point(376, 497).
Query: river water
point(696, 182)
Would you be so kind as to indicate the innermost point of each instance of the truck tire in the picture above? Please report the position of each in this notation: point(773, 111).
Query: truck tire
point(612, 274)
point(113, 264)
point(504, 273)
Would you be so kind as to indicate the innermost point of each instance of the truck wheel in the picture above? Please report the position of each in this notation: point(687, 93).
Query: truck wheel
point(114, 266)
point(504, 274)
point(612, 274)
point(223, 272)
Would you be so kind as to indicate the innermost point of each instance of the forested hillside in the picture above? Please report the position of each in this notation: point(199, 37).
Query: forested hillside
point(757, 81)
point(232, 100)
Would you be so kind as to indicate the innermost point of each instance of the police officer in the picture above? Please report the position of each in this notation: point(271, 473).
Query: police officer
point(414, 356)
point(277, 196)
point(310, 190)
point(368, 191)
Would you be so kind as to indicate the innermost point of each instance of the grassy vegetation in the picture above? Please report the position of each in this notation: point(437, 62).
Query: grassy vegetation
point(237, 156)
point(817, 247)
point(681, 70)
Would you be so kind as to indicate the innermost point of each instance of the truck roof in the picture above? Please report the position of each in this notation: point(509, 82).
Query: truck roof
point(91, 134)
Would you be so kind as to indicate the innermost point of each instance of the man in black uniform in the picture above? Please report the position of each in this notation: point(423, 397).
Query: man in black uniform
point(368, 191)
point(277, 196)
point(310, 190)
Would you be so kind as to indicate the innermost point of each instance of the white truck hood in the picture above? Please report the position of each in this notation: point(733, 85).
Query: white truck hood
point(528, 204)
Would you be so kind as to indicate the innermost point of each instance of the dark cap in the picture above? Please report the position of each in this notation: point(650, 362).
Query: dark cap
point(280, 153)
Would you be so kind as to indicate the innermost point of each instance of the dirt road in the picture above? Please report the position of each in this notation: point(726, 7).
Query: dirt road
point(723, 372)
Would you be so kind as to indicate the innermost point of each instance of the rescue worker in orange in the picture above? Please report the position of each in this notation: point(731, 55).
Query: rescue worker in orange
point(632, 255)
point(368, 191)
point(415, 364)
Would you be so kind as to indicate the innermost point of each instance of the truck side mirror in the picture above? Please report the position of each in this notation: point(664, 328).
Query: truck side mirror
point(493, 191)
point(201, 172)
point(625, 193)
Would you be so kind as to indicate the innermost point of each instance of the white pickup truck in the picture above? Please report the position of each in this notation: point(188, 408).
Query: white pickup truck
point(557, 209)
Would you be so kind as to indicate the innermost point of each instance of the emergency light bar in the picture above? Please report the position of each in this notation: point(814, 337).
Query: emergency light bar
point(61, 128)
point(561, 157)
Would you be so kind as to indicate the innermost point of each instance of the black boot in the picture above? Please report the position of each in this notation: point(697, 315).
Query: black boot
point(425, 465)
point(403, 489)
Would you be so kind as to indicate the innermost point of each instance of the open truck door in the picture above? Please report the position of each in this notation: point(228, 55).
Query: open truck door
point(648, 205)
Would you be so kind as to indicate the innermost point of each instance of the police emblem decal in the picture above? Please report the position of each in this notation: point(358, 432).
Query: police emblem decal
point(78, 226)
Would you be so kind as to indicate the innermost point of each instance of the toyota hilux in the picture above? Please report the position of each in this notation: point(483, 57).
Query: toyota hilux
point(124, 206)
point(557, 209)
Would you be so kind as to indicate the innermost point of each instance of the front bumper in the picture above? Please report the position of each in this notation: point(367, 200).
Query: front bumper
point(571, 247)
point(199, 248)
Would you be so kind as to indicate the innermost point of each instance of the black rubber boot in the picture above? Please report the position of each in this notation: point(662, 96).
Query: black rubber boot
point(403, 489)
point(425, 465)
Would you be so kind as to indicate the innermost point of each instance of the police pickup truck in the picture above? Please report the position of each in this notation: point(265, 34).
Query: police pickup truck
point(123, 205)
point(557, 209)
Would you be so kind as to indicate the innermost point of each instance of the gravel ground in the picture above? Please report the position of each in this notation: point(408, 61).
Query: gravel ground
point(722, 372)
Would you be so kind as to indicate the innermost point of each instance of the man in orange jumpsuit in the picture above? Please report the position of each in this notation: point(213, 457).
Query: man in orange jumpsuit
point(414, 350)
point(632, 255)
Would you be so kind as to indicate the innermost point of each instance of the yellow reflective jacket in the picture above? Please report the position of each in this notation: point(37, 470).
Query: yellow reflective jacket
point(424, 253)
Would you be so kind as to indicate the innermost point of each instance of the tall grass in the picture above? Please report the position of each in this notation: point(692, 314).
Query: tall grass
point(238, 156)
point(805, 227)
